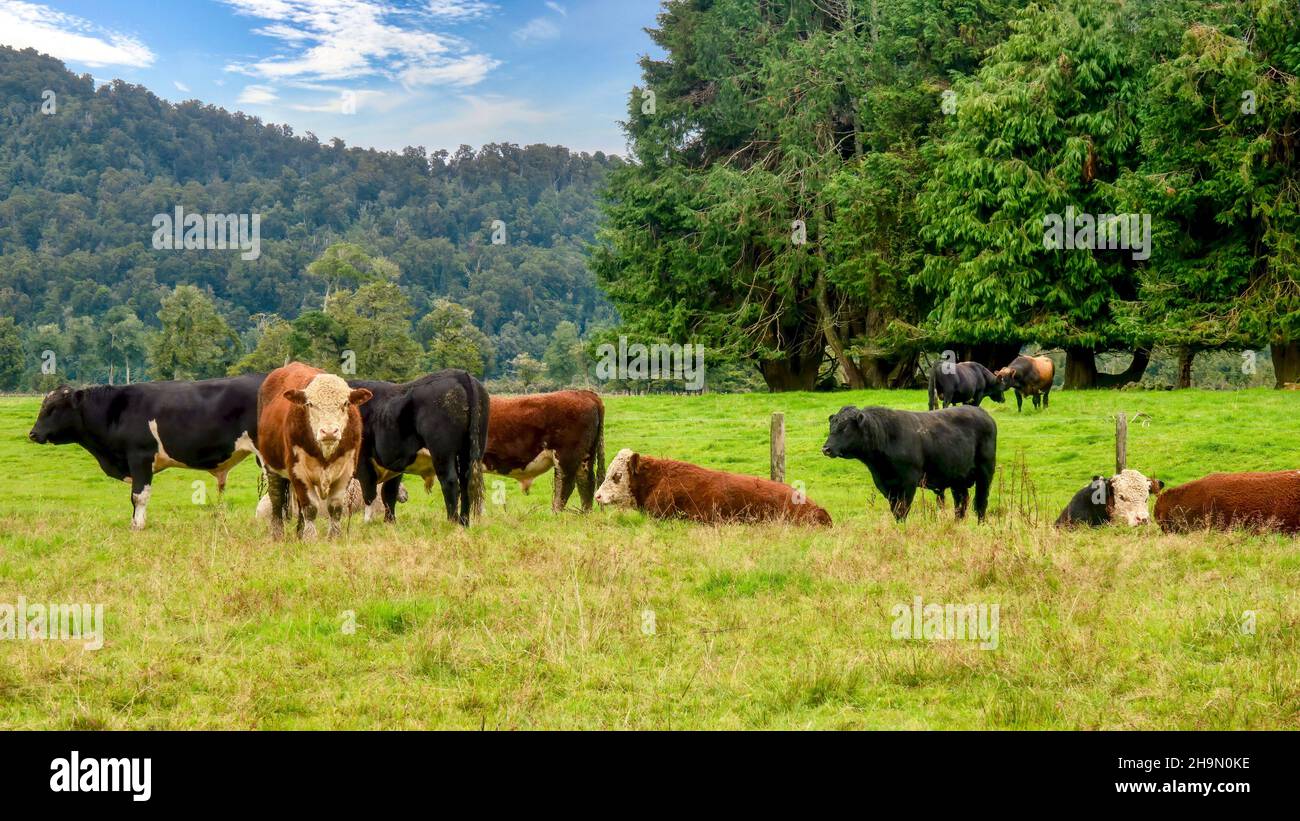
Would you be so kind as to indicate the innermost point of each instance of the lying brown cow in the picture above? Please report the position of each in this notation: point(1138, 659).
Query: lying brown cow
point(529, 435)
point(309, 437)
point(1269, 501)
point(1029, 376)
point(668, 490)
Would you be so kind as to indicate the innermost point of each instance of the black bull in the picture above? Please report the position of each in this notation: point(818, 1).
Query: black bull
point(435, 427)
point(951, 448)
point(963, 383)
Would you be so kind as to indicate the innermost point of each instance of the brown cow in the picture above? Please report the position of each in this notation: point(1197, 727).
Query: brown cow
point(309, 437)
point(668, 489)
point(1029, 376)
point(528, 435)
point(1268, 501)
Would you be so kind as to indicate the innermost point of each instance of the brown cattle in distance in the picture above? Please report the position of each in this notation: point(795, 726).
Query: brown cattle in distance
point(1266, 501)
point(309, 440)
point(1029, 376)
point(529, 435)
point(668, 489)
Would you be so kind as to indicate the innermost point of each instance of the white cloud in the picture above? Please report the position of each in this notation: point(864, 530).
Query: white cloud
point(68, 37)
point(257, 95)
point(349, 39)
point(557, 8)
point(181, 86)
point(537, 29)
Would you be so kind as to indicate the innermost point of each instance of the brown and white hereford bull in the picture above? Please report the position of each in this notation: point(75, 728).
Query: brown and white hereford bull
point(1121, 499)
point(529, 435)
point(668, 489)
point(309, 439)
point(1267, 501)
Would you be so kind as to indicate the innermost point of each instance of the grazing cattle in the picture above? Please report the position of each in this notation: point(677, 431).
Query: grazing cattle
point(310, 440)
point(668, 489)
point(1029, 376)
point(134, 431)
point(435, 428)
point(1265, 501)
point(963, 383)
point(353, 504)
point(1121, 499)
point(528, 435)
point(951, 448)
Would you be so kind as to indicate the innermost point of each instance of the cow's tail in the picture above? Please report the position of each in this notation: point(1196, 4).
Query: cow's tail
point(600, 442)
point(478, 423)
point(934, 400)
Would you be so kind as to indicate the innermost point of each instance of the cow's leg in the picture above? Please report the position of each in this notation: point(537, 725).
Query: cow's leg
point(1020, 401)
point(365, 476)
point(306, 511)
point(278, 489)
point(1038, 402)
point(960, 496)
point(587, 483)
point(446, 467)
point(335, 509)
point(900, 501)
point(390, 490)
point(566, 479)
point(141, 467)
point(1046, 394)
point(983, 481)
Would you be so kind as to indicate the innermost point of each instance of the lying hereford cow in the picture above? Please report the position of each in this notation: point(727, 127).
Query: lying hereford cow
point(668, 489)
point(434, 427)
point(1029, 376)
point(951, 448)
point(963, 383)
point(528, 435)
point(134, 431)
point(1268, 501)
point(353, 504)
point(1121, 499)
point(310, 439)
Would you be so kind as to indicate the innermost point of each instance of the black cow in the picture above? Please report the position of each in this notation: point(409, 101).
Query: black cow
point(434, 427)
point(963, 383)
point(134, 431)
point(951, 448)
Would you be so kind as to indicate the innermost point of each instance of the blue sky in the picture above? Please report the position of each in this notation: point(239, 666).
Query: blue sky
point(382, 73)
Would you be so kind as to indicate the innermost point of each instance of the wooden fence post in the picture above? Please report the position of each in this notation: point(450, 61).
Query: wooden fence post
point(778, 447)
point(1121, 442)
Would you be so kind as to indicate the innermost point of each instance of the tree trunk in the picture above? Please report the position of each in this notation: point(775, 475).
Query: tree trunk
point(794, 372)
point(992, 355)
point(1080, 368)
point(1186, 356)
point(1286, 362)
point(852, 373)
point(889, 372)
point(1133, 373)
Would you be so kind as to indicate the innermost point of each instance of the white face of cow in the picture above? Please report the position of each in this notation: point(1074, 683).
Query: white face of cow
point(617, 488)
point(327, 400)
point(1131, 491)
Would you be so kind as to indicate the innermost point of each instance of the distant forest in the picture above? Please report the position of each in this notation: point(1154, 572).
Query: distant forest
point(82, 183)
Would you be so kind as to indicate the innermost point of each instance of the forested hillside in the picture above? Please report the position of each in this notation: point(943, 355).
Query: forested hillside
point(81, 183)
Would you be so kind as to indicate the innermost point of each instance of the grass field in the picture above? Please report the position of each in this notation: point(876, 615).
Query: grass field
point(535, 621)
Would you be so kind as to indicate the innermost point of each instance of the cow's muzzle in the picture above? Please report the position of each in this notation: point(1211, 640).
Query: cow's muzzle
point(36, 437)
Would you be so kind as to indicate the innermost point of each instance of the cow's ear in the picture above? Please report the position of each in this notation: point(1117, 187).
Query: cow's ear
point(78, 396)
point(360, 396)
point(633, 464)
point(296, 396)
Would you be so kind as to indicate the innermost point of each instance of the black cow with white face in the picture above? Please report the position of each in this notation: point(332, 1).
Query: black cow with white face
point(951, 448)
point(963, 383)
point(134, 431)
